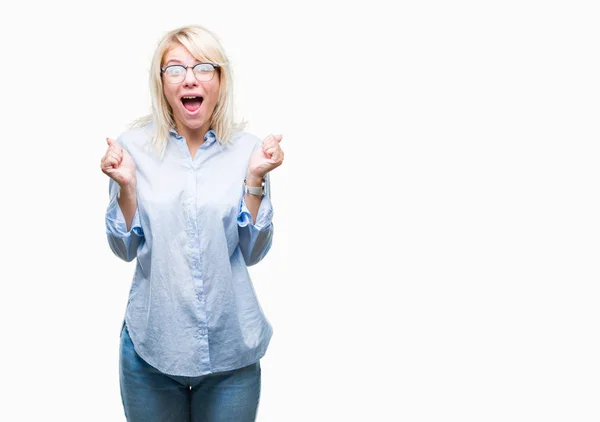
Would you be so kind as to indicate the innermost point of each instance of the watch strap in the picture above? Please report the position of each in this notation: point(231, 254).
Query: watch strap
point(255, 190)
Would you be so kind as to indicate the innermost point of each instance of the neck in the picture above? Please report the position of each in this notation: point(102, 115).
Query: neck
point(193, 136)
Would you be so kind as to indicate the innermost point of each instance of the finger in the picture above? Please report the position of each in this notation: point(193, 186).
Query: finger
point(269, 151)
point(117, 149)
point(113, 156)
point(116, 155)
point(277, 155)
point(109, 163)
point(114, 162)
point(273, 139)
point(104, 160)
point(274, 148)
point(115, 146)
point(268, 140)
point(269, 143)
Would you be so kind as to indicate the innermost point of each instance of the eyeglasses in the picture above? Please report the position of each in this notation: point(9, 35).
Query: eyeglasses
point(175, 73)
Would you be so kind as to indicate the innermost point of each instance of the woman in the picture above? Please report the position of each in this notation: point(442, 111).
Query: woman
point(190, 199)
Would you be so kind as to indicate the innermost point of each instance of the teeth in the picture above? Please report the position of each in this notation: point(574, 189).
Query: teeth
point(189, 98)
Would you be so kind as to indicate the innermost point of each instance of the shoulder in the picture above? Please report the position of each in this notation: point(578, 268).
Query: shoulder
point(136, 138)
point(244, 140)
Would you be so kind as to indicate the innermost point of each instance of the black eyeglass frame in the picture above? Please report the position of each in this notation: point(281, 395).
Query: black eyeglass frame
point(215, 65)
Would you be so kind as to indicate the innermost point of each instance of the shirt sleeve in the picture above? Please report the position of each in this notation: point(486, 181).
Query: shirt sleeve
point(122, 242)
point(255, 239)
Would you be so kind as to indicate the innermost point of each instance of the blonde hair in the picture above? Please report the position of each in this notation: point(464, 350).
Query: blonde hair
point(204, 46)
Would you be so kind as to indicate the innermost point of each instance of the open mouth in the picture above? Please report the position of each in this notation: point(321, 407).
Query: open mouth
point(192, 103)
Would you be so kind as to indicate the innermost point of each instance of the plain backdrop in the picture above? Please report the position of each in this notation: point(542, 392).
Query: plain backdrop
point(436, 242)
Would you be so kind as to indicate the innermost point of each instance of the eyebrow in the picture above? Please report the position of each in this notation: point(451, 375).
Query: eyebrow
point(177, 61)
point(173, 60)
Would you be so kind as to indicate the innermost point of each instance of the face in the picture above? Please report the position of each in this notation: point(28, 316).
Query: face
point(195, 113)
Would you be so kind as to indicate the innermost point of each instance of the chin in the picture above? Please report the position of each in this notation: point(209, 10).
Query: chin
point(193, 123)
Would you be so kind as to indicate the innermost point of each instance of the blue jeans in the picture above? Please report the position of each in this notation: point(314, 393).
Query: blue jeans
point(149, 395)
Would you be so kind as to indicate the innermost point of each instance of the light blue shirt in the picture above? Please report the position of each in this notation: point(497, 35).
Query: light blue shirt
point(192, 309)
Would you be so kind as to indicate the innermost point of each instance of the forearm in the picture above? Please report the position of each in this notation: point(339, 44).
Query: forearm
point(253, 201)
point(128, 202)
point(255, 225)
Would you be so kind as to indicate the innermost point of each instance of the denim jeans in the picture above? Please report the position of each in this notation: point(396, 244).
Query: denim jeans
point(149, 395)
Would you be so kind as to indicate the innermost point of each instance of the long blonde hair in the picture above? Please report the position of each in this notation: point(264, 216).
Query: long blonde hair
point(204, 46)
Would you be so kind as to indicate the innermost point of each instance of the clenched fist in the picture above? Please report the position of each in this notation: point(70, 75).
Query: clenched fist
point(266, 158)
point(118, 164)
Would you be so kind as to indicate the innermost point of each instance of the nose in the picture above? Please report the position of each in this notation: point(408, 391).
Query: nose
point(190, 79)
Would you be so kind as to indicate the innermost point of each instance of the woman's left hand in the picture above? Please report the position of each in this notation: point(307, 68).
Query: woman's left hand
point(266, 158)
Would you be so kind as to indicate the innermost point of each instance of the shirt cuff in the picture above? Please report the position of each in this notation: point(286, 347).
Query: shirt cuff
point(115, 220)
point(264, 217)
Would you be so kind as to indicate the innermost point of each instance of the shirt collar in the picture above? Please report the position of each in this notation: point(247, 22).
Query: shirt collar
point(209, 138)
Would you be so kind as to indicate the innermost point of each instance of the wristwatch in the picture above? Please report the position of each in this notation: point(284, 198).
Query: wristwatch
point(255, 190)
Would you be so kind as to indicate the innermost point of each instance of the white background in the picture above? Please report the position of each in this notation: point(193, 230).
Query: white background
point(437, 238)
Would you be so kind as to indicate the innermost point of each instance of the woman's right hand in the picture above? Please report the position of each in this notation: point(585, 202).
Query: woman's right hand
point(118, 164)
